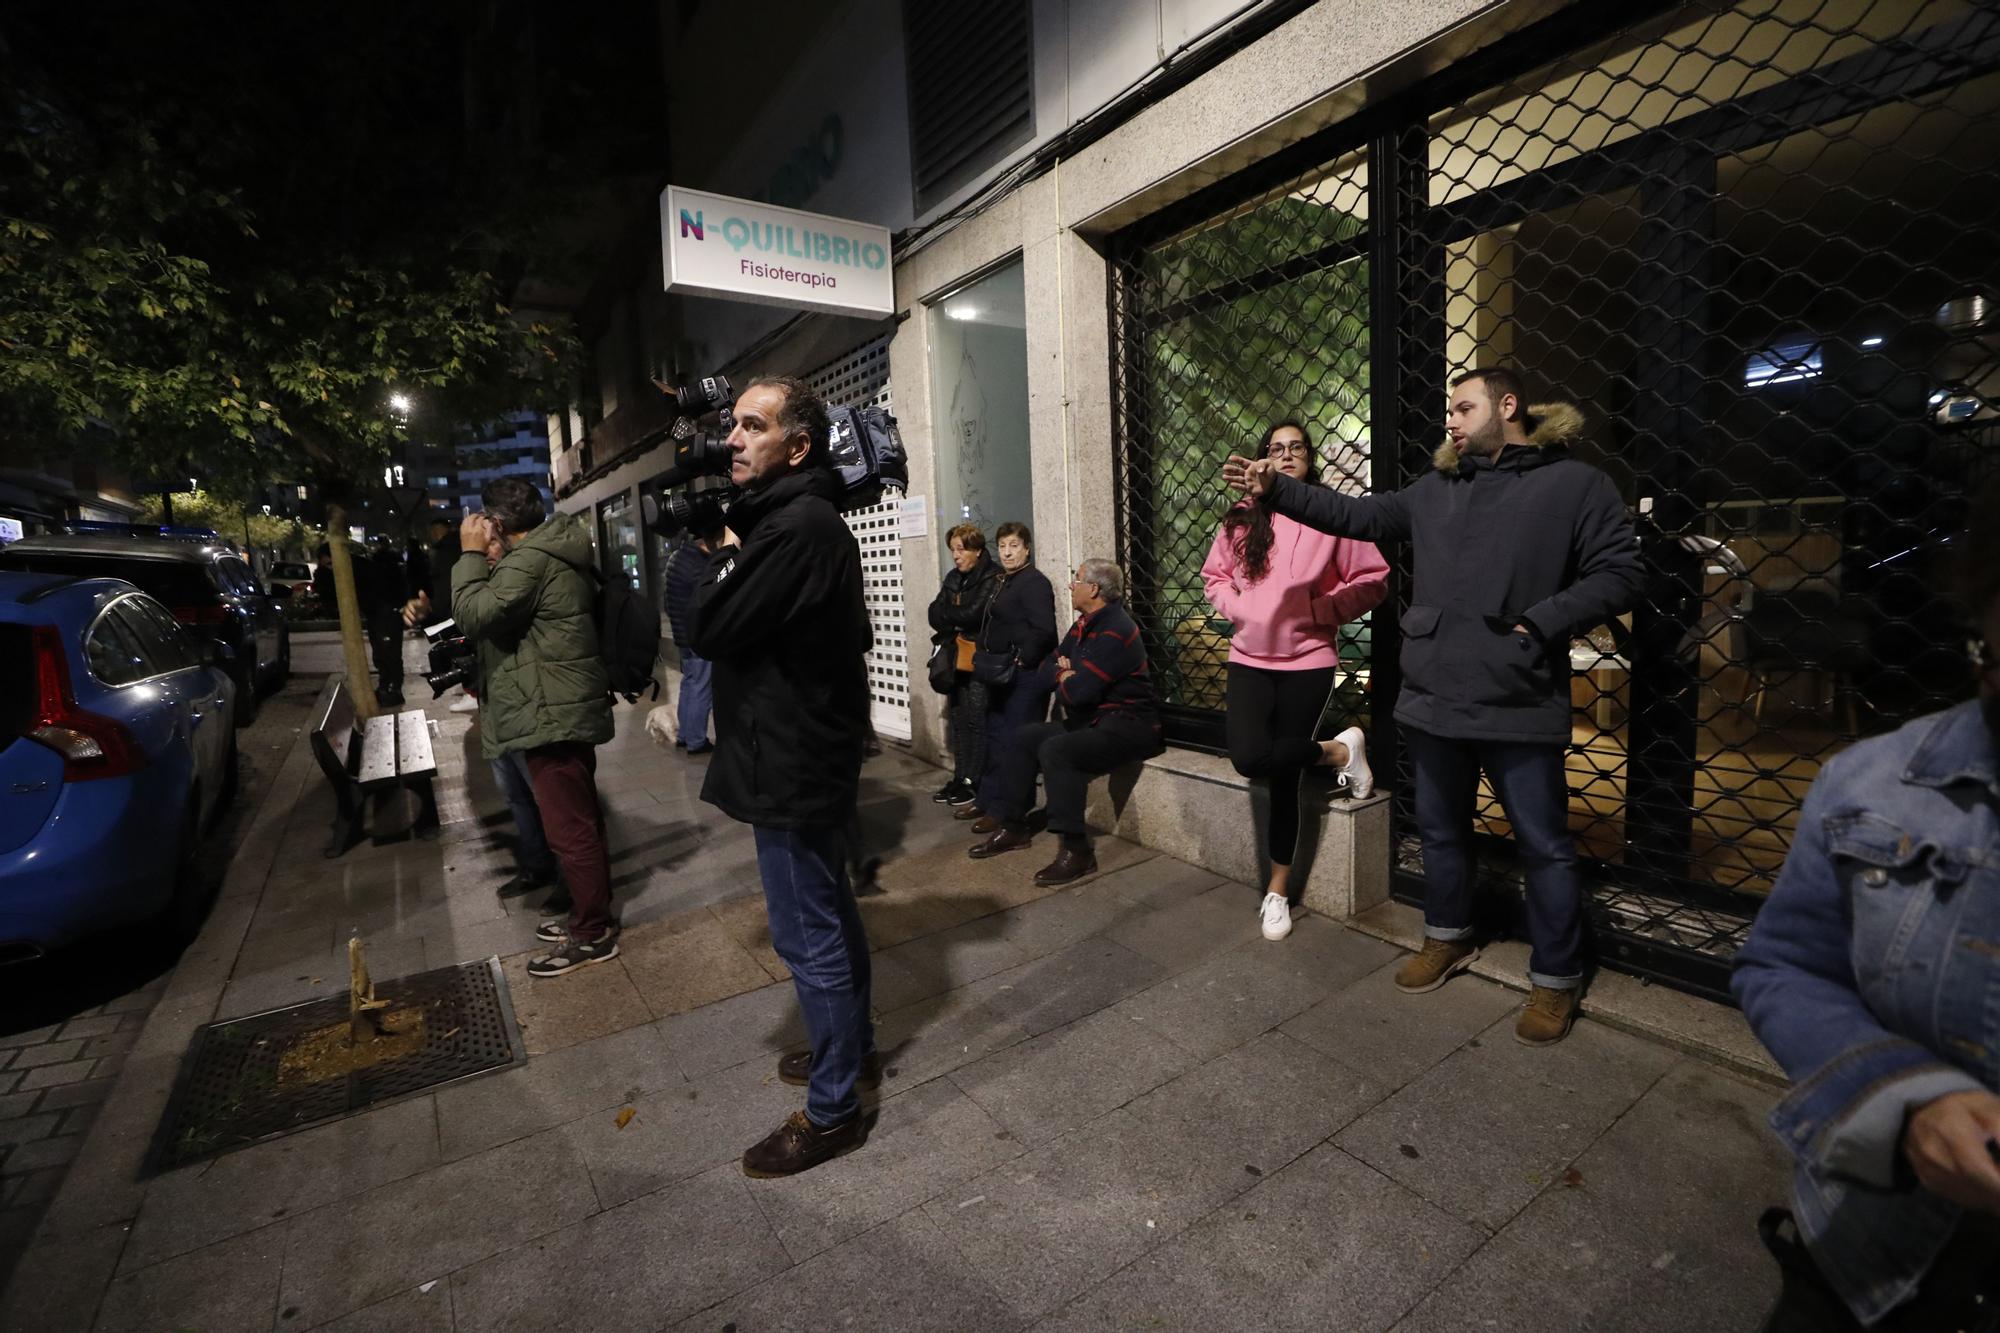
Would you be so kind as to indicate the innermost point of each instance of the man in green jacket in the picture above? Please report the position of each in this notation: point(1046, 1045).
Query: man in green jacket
point(546, 693)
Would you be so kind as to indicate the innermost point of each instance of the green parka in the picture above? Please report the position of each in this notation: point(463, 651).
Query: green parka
point(532, 617)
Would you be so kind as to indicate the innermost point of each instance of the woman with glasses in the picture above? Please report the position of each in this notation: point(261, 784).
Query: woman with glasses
point(1287, 589)
point(1017, 635)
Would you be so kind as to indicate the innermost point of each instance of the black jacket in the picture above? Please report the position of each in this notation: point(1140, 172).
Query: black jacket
point(960, 606)
point(685, 568)
point(1111, 678)
point(783, 620)
point(1022, 617)
point(1532, 537)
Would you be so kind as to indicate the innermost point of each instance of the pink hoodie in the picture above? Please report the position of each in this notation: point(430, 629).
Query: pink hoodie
point(1288, 620)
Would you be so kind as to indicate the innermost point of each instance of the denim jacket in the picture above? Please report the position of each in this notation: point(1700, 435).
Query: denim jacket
point(1873, 975)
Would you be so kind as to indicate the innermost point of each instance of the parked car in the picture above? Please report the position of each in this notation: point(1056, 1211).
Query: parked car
point(206, 586)
point(117, 751)
point(290, 579)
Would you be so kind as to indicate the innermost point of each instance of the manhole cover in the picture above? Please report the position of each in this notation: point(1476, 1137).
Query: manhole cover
point(256, 1078)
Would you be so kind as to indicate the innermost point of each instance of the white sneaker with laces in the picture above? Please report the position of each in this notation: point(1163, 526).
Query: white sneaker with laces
point(1359, 778)
point(1277, 916)
point(469, 704)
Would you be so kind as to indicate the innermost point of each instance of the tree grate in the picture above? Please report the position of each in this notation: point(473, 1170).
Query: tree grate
point(240, 1082)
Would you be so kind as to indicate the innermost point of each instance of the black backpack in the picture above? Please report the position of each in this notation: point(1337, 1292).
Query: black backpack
point(628, 638)
point(866, 450)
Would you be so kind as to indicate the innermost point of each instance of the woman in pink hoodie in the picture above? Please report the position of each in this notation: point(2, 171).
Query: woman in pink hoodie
point(1287, 589)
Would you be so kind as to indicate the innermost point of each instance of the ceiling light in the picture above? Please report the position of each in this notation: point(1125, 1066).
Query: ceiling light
point(1872, 342)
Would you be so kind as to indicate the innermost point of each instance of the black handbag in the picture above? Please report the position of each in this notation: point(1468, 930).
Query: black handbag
point(943, 667)
point(991, 668)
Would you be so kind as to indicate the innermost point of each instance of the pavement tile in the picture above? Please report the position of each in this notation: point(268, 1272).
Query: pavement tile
point(938, 1035)
point(43, 1153)
point(55, 1076)
point(685, 963)
point(1066, 916)
point(1045, 1227)
point(467, 942)
point(16, 1104)
point(85, 1260)
point(1641, 1242)
point(904, 1275)
point(77, 1094)
point(757, 1023)
point(31, 1037)
point(1160, 882)
point(413, 1311)
point(428, 1225)
point(1492, 1126)
point(681, 1131)
point(48, 1053)
point(217, 1289)
point(1070, 1076)
point(98, 1025)
point(744, 921)
point(928, 1140)
point(561, 1011)
point(1273, 1099)
point(1373, 1026)
point(8, 1082)
point(645, 1265)
point(1190, 931)
point(552, 1089)
point(317, 977)
point(209, 1201)
point(958, 956)
point(29, 1188)
point(1068, 984)
point(1326, 1243)
point(26, 1129)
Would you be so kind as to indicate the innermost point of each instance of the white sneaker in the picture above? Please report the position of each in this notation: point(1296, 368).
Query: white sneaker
point(469, 704)
point(1355, 774)
point(1277, 916)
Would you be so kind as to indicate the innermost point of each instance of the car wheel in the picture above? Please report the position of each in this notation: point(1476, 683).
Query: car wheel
point(246, 690)
point(189, 902)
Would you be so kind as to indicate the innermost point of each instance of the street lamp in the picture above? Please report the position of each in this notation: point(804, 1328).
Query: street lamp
point(400, 402)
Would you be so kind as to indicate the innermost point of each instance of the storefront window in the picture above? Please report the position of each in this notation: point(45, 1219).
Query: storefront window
point(979, 392)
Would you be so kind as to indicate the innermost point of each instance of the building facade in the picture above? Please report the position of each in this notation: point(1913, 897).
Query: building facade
point(1748, 239)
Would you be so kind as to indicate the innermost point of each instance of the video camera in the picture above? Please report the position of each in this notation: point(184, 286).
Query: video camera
point(864, 449)
point(453, 661)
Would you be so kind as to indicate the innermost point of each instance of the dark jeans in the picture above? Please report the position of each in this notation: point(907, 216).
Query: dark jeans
point(1270, 725)
point(1067, 761)
point(816, 929)
point(518, 786)
point(1008, 709)
point(385, 640)
point(1533, 790)
point(565, 777)
point(968, 729)
point(697, 700)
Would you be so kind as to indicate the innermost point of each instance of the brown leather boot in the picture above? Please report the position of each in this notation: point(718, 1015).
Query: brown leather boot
point(800, 1145)
point(1548, 1016)
point(1439, 962)
point(1002, 840)
point(985, 825)
point(1067, 868)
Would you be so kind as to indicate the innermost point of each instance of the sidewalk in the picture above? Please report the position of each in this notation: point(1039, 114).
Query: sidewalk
point(1113, 1106)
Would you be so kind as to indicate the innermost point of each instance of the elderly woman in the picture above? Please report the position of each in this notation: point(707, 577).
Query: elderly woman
point(1014, 640)
point(955, 615)
point(1873, 975)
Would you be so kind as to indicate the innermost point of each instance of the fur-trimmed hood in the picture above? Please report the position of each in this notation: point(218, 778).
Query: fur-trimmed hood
point(1556, 425)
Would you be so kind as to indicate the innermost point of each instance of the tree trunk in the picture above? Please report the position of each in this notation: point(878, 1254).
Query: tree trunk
point(353, 642)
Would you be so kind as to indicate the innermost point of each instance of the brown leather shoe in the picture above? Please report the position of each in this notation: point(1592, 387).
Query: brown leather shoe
point(1067, 868)
point(971, 811)
point(1547, 1017)
point(986, 824)
point(1002, 840)
point(800, 1145)
point(796, 1069)
point(1439, 962)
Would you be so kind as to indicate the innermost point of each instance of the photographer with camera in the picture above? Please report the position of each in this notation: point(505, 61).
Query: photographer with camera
point(532, 618)
point(780, 613)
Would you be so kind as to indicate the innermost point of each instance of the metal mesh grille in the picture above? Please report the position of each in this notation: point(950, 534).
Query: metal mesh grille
point(1755, 244)
point(862, 378)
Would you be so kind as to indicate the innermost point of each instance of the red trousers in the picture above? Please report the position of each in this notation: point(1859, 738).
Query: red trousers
point(565, 778)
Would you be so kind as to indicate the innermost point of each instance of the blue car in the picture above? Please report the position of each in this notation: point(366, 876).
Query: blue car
point(117, 750)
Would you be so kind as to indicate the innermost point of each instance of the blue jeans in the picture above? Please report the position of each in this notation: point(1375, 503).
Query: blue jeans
point(697, 700)
point(1009, 708)
point(1533, 789)
point(816, 929)
point(510, 771)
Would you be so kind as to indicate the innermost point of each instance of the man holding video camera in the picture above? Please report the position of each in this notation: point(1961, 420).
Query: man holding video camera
point(546, 693)
point(780, 614)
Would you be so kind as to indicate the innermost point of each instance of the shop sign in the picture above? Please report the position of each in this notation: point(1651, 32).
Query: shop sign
point(713, 245)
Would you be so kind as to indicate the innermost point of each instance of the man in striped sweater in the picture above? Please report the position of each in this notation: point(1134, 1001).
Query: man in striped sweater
point(1110, 718)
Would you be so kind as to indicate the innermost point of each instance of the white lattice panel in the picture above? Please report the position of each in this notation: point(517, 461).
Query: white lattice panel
point(862, 377)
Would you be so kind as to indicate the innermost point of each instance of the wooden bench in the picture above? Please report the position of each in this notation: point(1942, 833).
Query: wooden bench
point(388, 752)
